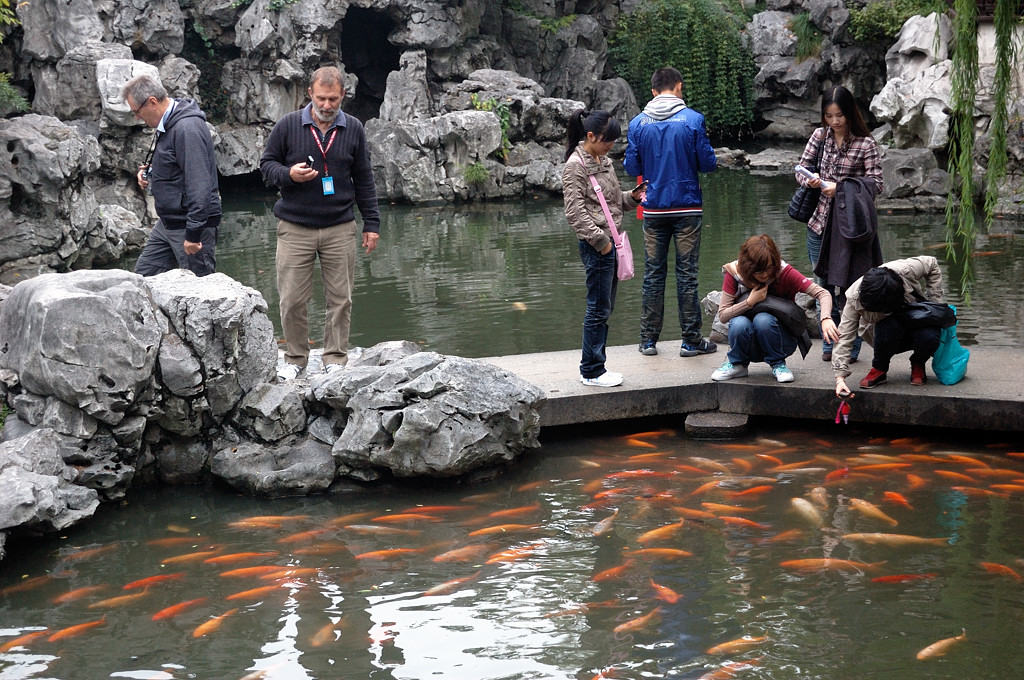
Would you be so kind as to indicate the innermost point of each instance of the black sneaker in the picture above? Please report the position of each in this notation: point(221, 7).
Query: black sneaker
point(648, 348)
point(705, 346)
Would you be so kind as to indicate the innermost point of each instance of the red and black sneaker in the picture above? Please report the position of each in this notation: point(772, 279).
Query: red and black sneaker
point(874, 378)
point(917, 376)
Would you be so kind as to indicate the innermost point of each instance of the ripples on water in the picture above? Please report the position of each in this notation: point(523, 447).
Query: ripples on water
point(542, 596)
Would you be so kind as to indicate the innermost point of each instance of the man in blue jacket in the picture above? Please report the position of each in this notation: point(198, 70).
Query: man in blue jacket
point(181, 175)
point(668, 144)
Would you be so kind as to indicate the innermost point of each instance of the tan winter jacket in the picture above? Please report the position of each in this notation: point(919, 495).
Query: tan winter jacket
point(582, 209)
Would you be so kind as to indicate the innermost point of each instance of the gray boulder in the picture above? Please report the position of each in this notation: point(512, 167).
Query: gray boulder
point(51, 29)
point(907, 172)
point(75, 91)
point(156, 26)
point(770, 35)
point(271, 412)
point(917, 109)
point(289, 469)
point(922, 42)
point(239, 147)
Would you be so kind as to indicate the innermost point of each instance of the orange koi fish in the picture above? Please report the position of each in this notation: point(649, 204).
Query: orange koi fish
point(375, 530)
point(328, 633)
point(530, 486)
point(882, 467)
point(352, 518)
point(639, 474)
point(503, 529)
point(27, 584)
point(449, 587)
point(406, 517)
point(730, 669)
point(744, 522)
point(993, 473)
point(1001, 569)
point(905, 441)
point(641, 622)
point(783, 537)
point(465, 554)
point(73, 631)
point(894, 540)
point(660, 533)
point(291, 572)
point(513, 554)
point(897, 499)
point(644, 457)
point(180, 608)
point(922, 458)
point(792, 466)
point(213, 624)
point(153, 580)
point(614, 572)
point(88, 554)
point(829, 563)
point(433, 509)
point(737, 447)
point(682, 467)
point(734, 509)
point(239, 557)
point(119, 601)
point(516, 512)
point(708, 464)
point(941, 647)
point(170, 542)
point(78, 594)
point(390, 554)
point(191, 557)
point(871, 510)
point(254, 593)
point(246, 572)
point(665, 593)
point(966, 460)
point(738, 645)
point(903, 578)
point(974, 491)
point(23, 640)
point(1010, 488)
point(605, 525)
point(752, 492)
point(743, 464)
point(956, 477)
point(639, 443)
point(837, 474)
point(273, 518)
point(609, 493)
point(704, 488)
point(303, 536)
point(663, 553)
point(690, 513)
point(915, 482)
point(769, 458)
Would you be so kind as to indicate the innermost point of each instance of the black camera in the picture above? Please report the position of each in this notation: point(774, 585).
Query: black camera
point(147, 172)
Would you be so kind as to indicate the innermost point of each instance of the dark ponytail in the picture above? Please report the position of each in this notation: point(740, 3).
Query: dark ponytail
point(601, 123)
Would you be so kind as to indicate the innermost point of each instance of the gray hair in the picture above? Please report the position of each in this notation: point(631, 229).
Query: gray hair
point(328, 76)
point(141, 88)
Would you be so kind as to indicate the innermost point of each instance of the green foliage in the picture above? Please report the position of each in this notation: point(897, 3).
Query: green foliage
point(808, 37)
point(556, 25)
point(880, 21)
point(7, 16)
point(504, 114)
point(476, 173)
point(702, 39)
point(1004, 25)
point(11, 100)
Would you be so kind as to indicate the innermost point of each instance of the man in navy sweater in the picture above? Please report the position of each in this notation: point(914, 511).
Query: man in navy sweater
point(181, 175)
point(318, 158)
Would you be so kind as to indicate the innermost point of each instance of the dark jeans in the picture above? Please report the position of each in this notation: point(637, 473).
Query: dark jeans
point(838, 299)
point(892, 338)
point(759, 339)
point(601, 287)
point(659, 233)
point(165, 251)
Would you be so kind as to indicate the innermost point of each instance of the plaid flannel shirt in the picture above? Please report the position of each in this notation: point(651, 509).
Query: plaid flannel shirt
point(858, 157)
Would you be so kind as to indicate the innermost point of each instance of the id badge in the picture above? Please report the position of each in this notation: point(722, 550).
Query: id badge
point(328, 183)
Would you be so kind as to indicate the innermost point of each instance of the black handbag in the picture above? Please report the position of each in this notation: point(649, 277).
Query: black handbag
point(805, 200)
point(926, 314)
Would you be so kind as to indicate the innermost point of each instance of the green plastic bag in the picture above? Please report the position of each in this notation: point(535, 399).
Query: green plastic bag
point(950, 361)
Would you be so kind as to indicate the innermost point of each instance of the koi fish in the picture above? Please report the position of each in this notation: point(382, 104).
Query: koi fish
point(660, 533)
point(941, 647)
point(153, 580)
point(213, 624)
point(769, 458)
point(170, 542)
point(254, 593)
point(1001, 569)
point(88, 554)
point(452, 586)
point(465, 554)
point(513, 554)
point(27, 584)
point(871, 510)
point(639, 473)
point(119, 601)
point(915, 482)
point(903, 578)
point(644, 457)
point(390, 554)
point(503, 529)
point(743, 464)
point(956, 477)
point(639, 443)
point(837, 474)
point(406, 517)
point(897, 499)
point(23, 640)
point(744, 522)
point(305, 535)
point(633, 625)
point(730, 669)
point(291, 572)
point(705, 487)
point(608, 493)
point(782, 537)
point(516, 512)
point(690, 513)
point(352, 518)
point(432, 509)
point(753, 491)
point(663, 553)
point(819, 496)
point(274, 518)
point(974, 491)
point(239, 557)
point(191, 557)
point(1011, 488)
point(709, 464)
point(180, 608)
point(328, 633)
point(894, 539)
point(605, 525)
point(733, 509)
point(246, 572)
point(531, 486)
point(806, 510)
point(738, 645)
point(78, 594)
point(73, 631)
point(375, 530)
point(993, 473)
point(665, 593)
point(792, 466)
point(614, 572)
point(829, 563)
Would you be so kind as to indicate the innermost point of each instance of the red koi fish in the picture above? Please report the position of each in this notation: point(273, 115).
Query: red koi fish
point(515, 512)
point(639, 443)
point(661, 553)
point(903, 578)
point(730, 669)
point(1001, 569)
point(74, 631)
point(153, 580)
point(769, 458)
point(829, 563)
point(387, 555)
point(246, 572)
point(88, 554)
point(434, 509)
point(665, 593)
point(915, 482)
point(254, 593)
point(897, 499)
point(837, 474)
point(406, 517)
point(449, 587)
point(180, 608)
point(639, 474)
point(752, 492)
point(23, 640)
point(213, 624)
point(614, 572)
point(78, 594)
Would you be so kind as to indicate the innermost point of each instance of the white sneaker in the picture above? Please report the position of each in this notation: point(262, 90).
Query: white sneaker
point(728, 371)
point(288, 372)
point(783, 374)
point(333, 369)
point(606, 379)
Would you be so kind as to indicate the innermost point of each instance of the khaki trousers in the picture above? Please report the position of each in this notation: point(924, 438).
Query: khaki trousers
point(298, 247)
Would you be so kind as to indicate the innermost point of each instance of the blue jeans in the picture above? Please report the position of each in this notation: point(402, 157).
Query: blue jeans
point(891, 338)
point(759, 339)
point(838, 300)
point(659, 233)
point(601, 287)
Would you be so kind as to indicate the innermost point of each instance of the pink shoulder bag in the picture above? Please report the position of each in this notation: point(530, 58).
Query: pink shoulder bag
point(623, 251)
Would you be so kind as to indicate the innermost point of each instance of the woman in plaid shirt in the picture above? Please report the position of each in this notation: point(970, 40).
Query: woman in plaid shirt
point(849, 151)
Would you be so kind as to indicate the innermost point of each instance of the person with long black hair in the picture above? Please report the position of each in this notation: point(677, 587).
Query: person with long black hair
point(590, 135)
point(847, 149)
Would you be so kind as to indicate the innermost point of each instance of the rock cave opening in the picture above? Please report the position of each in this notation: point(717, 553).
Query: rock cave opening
point(367, 54)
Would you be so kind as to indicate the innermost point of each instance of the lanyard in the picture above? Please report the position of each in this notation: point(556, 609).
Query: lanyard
point(323, 150)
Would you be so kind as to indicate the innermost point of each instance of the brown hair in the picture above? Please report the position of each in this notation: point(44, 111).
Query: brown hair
point(759, 254)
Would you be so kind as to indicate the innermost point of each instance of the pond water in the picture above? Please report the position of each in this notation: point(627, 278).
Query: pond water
point(622, 555)
point(505, 278)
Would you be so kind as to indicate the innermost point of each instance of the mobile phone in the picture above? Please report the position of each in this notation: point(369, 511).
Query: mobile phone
point(801, 170)
point(309, 161)
point(642, 185)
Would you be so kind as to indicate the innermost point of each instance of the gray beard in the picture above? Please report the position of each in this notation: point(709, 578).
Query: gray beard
point(320, 116)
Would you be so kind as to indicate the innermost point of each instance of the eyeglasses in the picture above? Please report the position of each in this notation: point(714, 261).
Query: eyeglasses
point(141, 106)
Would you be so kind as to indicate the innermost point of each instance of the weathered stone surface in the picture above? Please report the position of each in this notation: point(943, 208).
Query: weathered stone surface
point(716, 425)
point(290, 469)
point(111, 76)
point(54, 28)
point(239, 147)
point(922, 42)
point(154, 26)
point(271, 412)
point(111, 232)
point(770, 35)
point(906, 172)
point(917, 108)
point(75, 93)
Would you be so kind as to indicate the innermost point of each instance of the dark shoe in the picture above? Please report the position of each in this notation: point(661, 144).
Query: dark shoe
point(705, 346)
point(874, 378)
point(648, 348)
point(917, 376)
point(826, 356)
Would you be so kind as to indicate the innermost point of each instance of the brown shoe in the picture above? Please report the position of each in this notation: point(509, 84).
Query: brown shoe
point(917, 376)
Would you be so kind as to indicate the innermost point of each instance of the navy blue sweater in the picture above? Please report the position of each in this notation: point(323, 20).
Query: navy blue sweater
point(348, 163)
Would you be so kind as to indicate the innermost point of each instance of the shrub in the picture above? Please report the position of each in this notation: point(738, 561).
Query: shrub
point(808, 37)
point(879, 22)
point(476, 173)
